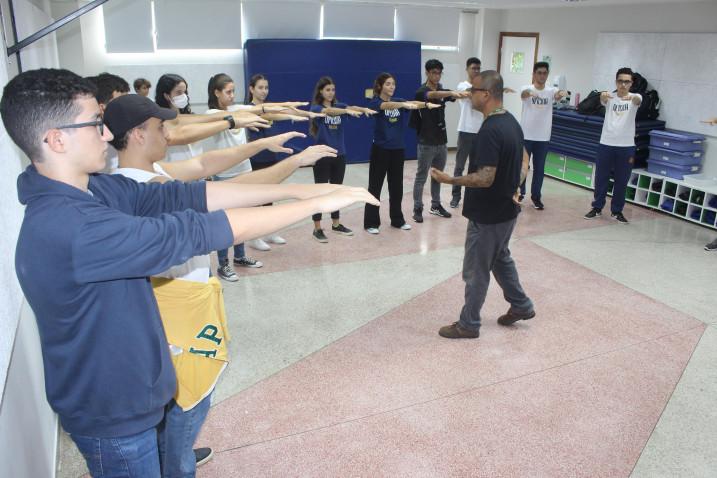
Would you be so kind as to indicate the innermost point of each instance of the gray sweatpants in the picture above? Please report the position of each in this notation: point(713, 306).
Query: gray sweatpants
point(487, 251)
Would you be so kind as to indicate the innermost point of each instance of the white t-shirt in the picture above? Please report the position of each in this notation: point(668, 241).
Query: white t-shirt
point(181, 152)
point(228, 139)
point(470, 119)
point(196, 268)
point(537, 116)
point(619, 126)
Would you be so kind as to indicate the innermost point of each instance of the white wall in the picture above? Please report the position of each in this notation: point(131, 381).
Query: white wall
point(569, 35)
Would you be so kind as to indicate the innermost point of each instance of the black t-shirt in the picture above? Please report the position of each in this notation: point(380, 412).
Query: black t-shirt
point(499, 143)
point(431, 124)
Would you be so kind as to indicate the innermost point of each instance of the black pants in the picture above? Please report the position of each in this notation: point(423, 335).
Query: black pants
point(329, 170)
point(256, 166)
point(385, 163)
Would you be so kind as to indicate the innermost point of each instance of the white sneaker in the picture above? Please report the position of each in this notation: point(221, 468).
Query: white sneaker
point(275, 239)
point(259, 245)
point(405, 227)
point(372, 230)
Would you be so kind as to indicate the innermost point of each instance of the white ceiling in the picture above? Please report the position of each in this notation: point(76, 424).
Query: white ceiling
point(468, 4)
point(474, 4)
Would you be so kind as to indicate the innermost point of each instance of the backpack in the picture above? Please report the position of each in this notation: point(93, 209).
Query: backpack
point(650, 107)
point(639, 84)
point(591, 105)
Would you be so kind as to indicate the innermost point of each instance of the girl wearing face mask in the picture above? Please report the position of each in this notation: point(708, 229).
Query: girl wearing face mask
point(171, 92)
point(329, 130)
point(387, 151)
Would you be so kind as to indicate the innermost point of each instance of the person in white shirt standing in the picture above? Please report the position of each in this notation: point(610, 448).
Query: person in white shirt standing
point(468, 126)
point(537, 123)
point(616, 152)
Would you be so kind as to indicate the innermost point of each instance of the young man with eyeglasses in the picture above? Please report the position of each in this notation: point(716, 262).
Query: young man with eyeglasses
point(616, 152)
point(97, 238)
point(430, 124)
point(497, 165)
point(537, 122)
point(468, 126)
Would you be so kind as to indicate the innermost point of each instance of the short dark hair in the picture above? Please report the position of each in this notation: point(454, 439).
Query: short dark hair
point(140, 82)
point(120, 144)
point(107, 84)
point(492, 82)
point(472, 61)
point(623, 71)
point(541, 64)
point(38, 100)
point(434, 64)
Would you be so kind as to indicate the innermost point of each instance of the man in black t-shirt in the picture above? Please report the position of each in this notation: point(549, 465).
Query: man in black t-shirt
point(430, 125)
point(497, 166)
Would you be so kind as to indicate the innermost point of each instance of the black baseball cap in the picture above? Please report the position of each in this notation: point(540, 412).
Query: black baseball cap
point(129, 111)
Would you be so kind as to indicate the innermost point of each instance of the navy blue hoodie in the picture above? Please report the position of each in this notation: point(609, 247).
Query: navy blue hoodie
point(82, 261)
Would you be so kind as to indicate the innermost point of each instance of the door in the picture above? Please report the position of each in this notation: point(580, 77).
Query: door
point(517, 53)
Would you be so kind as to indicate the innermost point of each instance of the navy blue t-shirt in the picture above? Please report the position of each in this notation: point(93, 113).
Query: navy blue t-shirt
point(390, 124)
point(330, 129)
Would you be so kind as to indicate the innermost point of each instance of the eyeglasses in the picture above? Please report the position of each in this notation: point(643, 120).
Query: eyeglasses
point(624, 82)
point(99, 124)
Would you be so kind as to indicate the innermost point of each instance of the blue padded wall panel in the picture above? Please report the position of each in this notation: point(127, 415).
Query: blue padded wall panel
point(294, 66)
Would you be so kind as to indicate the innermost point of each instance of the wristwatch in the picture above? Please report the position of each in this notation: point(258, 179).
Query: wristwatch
point(230, 119)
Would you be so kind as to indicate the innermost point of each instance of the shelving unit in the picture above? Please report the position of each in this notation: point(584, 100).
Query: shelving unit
point(650, 190)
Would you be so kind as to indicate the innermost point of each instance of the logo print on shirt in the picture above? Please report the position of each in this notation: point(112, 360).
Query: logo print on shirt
point(332, 120)
point(392, 113)
point(538, 101)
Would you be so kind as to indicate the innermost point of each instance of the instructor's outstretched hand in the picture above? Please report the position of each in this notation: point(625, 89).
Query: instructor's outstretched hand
point(440, 176)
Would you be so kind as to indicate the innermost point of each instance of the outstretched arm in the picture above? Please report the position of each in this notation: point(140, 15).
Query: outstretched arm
point(283, 169)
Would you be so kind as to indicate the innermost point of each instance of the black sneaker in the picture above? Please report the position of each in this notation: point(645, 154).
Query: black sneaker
point(619, 218)
point(440, 211)
point(203, 455)
point(538, 204)
point(594, 212)
point(712, 246)
point(454, 203)
point(418, 214)
point(319, 235)
point(248, 262)
point(341, 229)
point(227, 273)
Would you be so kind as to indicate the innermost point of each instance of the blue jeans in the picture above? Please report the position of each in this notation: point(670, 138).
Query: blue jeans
point(177, 434)
point(617, 160)
point(223, 255)
point(537, 150)
point(487, 251)
point(127, 457)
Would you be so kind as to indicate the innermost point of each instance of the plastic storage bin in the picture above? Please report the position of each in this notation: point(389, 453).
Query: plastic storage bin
point(701, 180)
point(671, 170)
point(676, 140)
point(684, 158)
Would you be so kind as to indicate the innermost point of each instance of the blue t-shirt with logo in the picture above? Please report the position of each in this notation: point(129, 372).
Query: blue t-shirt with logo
point(390, 124)
point(330, 129)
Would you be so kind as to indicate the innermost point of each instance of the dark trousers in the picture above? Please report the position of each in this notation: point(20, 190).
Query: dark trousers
point(465, 144)
point(617, 160)
point(385, 163)
point(329, 170)
point(537, 150)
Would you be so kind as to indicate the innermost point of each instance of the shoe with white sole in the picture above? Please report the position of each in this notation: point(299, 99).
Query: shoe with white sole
point(275, 239)
point(259, 245)
point(372, 230)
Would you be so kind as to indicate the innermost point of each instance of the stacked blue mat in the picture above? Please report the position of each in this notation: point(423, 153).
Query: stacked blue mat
point(577, 135)
point(675, 153)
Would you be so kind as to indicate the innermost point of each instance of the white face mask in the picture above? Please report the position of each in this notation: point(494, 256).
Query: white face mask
point(180, 101)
